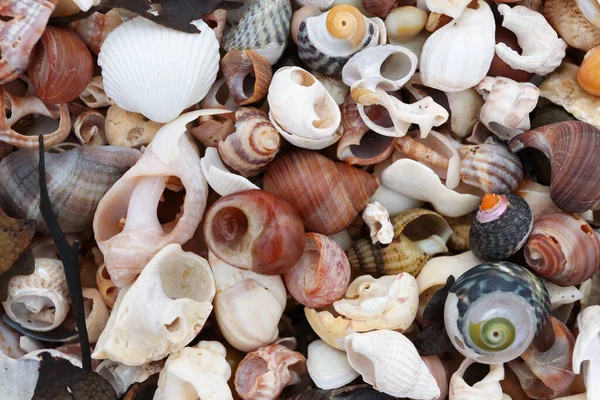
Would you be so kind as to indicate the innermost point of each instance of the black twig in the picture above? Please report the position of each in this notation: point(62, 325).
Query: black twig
point(70, 258)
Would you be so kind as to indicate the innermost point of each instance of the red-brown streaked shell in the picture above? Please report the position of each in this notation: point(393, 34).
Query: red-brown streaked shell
point(22, 23)
point(95, 28)
point(380, 8)
point(358, 144)
point(247, 75)
point(61, 66)
point(572, 26)
point(322, 274)
point(563, 248)
point(571, 147)
point(490, 167)
point(328, 195)
point(254, 143)
point(264, 373)
point(255, 230)
point(547, 374)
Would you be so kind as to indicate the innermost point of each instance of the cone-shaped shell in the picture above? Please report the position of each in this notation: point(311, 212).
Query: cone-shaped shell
point(571, 147)
point(328, 195)
point(390, 362)
point(77, 180)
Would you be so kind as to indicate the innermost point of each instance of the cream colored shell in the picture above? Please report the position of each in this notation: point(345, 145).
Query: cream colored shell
point(98, 315)
point(587, 349)
point(542, 49)
point(561, 295)
point(328, 367)
point(248, 306)
point(161, 312)
point(452, 8)
point(302, 110)
point(448, 66)
point(377, 219)
point(218, 176)
point(487, 389)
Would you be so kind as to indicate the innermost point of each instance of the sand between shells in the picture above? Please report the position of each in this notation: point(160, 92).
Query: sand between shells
point(300, 199)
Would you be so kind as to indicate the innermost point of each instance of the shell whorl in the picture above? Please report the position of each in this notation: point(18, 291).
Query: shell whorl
point(490, 167)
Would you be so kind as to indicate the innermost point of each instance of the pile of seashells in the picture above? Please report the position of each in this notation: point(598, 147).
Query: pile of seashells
point(300, 199)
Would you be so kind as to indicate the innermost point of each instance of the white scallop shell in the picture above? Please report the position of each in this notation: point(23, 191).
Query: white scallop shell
point(218, 176)
point(302, 110)
point(458, 55)
point(157, 71)
point(390, 362)
point(328, 367)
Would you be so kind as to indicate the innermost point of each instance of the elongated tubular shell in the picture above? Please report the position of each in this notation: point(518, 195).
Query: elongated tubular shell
point(77, 181)
point(61, 66)
point(563, 248)
point(321, 275)
point(499, 231)
point(328, 195)
point(493, 312)
point(490, 167)
point(254, 143)
point(238, 66)
point(571, 147)
point(552, 369)
point(255, 230)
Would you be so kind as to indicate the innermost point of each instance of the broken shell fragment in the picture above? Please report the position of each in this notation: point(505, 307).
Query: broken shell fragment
point(452, 8)
point(486, 389)
point(586, 347)
point(538, 198)
point(96, 313)
point(328, 367)
point(93, 95)
point(129, 129)
point(378, 220)
point(567, 19)
point(94, 29)
point(167, 305)
point(247, 74)
point(218, 176)
point(89, 128)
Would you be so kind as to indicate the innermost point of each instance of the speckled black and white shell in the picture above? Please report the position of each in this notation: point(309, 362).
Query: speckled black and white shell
point(501, 238)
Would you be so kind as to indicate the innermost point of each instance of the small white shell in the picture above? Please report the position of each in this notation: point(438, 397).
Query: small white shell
point(85, 5)
point(165, 70)
point(39, 301)
point(198, 372)
point(394, 202)
point(452, 8)
point(587, 350)
point(218, 176)
point(415, 180)
point(437, 270)
point(542, 49)
point(458, 55)
point(328, 367)
point(390, 362)
point(93, 95)
point(248, 306)
point(426, 113)
point(561, 295)
point(121, 377)
point(302, 110)
point(465, 107)
point(386, 67)
point(507, 105)
point(167, 306)
point(377, 219)
point(487, 389)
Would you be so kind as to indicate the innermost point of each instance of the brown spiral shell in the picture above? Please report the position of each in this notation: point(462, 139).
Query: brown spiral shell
point(563, 248)
point(571, 147)
point(95, 28)
point(490, 167)
point(61, 66)
point(254, 143)
point(242, 68)
point(328, 195)
point(380, 8)
point(322, 274)
point(358, 144)
point(572, 26)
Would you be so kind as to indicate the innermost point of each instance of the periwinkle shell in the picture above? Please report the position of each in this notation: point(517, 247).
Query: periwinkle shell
point(494, 311)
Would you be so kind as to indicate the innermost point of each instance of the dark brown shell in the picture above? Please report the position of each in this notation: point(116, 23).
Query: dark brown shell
point(572, 148)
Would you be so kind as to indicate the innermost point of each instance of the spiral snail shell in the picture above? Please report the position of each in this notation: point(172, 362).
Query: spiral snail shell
point(494, 310)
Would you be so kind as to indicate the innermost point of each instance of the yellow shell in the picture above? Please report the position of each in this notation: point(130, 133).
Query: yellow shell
point(419, 234)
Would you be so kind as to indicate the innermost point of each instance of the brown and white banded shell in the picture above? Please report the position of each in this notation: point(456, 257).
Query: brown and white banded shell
point(254, 143)
point(571, 147)
point(563, 248)
point(570, 23)
point(490, 167)
point(247, 75)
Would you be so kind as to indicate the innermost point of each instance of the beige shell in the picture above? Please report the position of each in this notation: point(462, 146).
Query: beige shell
point(167, 306)
point(389, 302)
point(40, 301)
point(437, 270)
point(586, 349)
point(197, 372)
point(265, 372)
point(89, 128)
point(404, 23)
point(490, 167)
point(94, 29)
point(537, 197)
point(461, 226)
point(328, 367)
point(487, 389)
point(570, 23)
point(452, 8)
point(254, 143)
point(218, 176)
point(465, 107)
point(452, 68)
point(96, 313)
point(248, 306)
point(507, 105)
point(129, 129)
point(390, 362)
point(561, 87)
point(377, 219)
point(107, 289)
point(542, 49)
point(302, 110)
point(93, 95)
point(393, 201)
